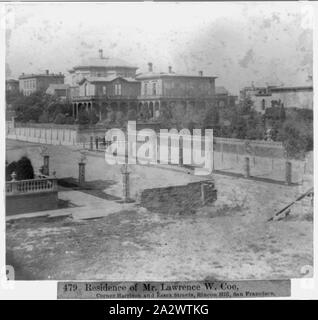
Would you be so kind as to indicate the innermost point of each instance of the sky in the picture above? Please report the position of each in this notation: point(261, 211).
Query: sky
point(240, 43)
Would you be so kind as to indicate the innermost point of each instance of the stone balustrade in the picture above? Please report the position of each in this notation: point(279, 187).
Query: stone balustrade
point(47, 184)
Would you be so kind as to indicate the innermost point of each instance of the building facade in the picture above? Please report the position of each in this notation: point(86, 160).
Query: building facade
point(168, 90)
point(12, 85)
point(288, 97)
point(103, 84)
point(30, 83)
point(104, 94)
point(224, 98)
point(61, 91)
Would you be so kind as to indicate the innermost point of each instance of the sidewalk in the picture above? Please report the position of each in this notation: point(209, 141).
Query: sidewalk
point(86, 207)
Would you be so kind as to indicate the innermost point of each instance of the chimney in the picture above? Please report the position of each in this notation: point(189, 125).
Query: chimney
point(100, 51)
point(46, 72)
point(201, 73)
point(150, 66)
point(170, 69)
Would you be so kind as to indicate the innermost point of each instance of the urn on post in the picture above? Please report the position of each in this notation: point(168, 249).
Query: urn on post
point(46, 160)
point(125, 173)
point(81, 167)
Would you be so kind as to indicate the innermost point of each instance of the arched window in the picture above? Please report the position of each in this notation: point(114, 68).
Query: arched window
point(154, 89)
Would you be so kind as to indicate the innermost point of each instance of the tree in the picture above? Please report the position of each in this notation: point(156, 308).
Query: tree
point(132, 115)
point(93, 119)
point(69, 120)
point(83, 117)
point(24, 169)
point(12, 167)
point(120, 118)
point(245, 106)
point(44, 117)
point(111, 116)
point(60, 118)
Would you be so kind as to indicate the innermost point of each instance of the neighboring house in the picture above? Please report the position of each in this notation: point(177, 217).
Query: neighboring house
point(289, 97)
point(224, 98)
point(12, 85)
point(29, 83)
point(61, 91)
point(168, 89)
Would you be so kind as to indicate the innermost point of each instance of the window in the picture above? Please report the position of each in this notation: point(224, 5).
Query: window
point(104, 90)
point(145, 89)
point(117, 89)
point(154, 89)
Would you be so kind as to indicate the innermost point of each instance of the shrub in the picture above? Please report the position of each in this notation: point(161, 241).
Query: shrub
point(120, 118)
point(60, 118)
point(69, 120)
point(24, 169)
point(297, 138)
point(44, 117)
point(83, 117)
point(111, 116)
point(9, 169)
point(132, 115)
point(93, 118)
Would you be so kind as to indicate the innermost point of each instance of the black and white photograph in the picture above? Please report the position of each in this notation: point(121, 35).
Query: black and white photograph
point(158, 141)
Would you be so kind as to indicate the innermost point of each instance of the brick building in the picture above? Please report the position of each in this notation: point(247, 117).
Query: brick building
point(29, 83)
point(289, 97)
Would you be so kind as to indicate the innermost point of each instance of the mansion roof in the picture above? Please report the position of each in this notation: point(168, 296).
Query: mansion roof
point(153, 75)
point(106, 79)
point(103, 63)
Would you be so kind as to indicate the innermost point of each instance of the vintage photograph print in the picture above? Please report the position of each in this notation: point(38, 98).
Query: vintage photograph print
point(159, 141)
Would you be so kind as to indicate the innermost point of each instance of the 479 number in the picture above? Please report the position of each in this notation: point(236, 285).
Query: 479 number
point(70, 287)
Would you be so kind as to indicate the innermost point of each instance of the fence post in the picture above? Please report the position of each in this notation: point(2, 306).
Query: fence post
point(81, 173)
point(46, 165)
point(247, 167)
point(91, 145)
point(125, 173)
point(288, 176)
point(96, 143)
point(203, 194)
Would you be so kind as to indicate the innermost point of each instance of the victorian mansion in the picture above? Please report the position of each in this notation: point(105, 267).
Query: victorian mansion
point(103, 84)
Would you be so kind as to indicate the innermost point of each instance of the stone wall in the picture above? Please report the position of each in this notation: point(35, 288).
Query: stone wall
point(31, 202)
point(180, 199)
